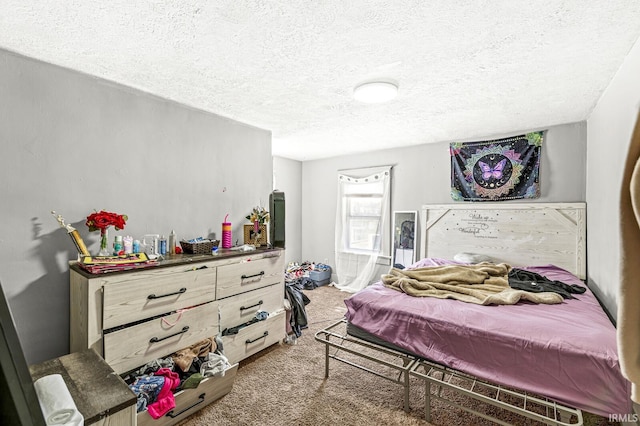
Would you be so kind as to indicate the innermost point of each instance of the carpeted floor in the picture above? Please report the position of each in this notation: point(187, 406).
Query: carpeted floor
point(285, 385)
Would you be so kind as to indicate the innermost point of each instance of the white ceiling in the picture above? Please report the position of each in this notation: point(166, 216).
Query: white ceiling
point(466, 68)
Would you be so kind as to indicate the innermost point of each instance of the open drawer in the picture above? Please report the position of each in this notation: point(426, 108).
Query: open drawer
point(255, 337)
point(189, 401)
point(124, 349)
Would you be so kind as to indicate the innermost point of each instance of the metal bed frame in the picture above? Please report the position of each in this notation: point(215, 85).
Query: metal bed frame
point(401, 363)
point(406, 366)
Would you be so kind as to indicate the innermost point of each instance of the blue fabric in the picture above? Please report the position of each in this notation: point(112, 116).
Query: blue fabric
point(146, 389)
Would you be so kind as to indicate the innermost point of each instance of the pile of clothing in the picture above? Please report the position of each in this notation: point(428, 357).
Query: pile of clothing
point(155, 383)
point(299, 273)
point(294, 302)
point(296, 271)
point(296, 279)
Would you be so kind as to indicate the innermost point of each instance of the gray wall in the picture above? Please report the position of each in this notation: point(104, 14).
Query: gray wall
point(421, 175)
point(287, 177)
point(610, 127)
point(73, 143)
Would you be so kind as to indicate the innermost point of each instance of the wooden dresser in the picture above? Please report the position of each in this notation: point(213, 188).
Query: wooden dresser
point(133, 317)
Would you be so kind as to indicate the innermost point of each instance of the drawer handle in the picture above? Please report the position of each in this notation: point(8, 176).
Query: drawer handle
point(160, 339)
point(265, 334)
point(153, 296)
point(259, 274)
point(200, 401)
point(242, 308)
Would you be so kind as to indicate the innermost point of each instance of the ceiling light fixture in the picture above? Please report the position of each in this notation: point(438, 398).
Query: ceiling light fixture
point(375, 92)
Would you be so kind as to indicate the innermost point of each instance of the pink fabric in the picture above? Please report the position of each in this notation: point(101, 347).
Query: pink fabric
point(165, 400)
point(566, 351)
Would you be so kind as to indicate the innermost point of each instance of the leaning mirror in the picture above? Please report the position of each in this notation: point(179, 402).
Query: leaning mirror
point(404, 231)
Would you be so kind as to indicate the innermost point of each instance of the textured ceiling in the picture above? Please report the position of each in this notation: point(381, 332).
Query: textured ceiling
point(466, 69)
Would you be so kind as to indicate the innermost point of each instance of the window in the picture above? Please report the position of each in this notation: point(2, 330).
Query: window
point(362, 226)
point(362, 213)
point(364, 216)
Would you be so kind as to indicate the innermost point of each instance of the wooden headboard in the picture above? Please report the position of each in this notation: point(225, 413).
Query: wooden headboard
point(516, 234)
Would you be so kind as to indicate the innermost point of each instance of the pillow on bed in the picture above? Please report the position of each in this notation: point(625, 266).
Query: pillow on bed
point(472, 258)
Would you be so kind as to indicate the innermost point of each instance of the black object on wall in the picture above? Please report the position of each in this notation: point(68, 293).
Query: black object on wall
point(276, 222)
point(19, 403)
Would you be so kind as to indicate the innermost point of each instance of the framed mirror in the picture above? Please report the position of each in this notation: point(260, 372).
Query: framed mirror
point(404, 241)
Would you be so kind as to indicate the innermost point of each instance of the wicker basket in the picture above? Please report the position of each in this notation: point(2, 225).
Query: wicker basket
point(201, 247)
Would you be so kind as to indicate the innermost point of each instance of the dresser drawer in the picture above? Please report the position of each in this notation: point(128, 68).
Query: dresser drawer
point(241, 308)
point(137, 296)
point(134, 346)
point(254, 338)
point(249, 275)
point(189, 401)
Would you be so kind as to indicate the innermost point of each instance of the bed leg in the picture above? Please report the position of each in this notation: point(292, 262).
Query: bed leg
point(427, 401)
point(565, 417)
point(326, 357)
point(406, 391)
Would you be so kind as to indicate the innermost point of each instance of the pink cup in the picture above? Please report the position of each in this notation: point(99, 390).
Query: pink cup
point(226, 234)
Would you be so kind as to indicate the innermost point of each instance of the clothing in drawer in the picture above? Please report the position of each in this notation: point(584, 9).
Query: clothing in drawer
point(249, 275)
point(130, 347)
point(239, 309)
point(133, 297)
point(189, 401)
point(255, 337)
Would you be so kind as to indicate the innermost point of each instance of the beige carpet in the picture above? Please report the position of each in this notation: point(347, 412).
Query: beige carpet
point(285, 385)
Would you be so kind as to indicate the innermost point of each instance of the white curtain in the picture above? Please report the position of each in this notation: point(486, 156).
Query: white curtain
point(361, 214)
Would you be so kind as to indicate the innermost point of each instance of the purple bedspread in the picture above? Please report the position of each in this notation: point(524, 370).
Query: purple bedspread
point(566, 351)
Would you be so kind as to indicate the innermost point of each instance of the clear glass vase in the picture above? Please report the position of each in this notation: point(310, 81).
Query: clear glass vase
point(104, 243)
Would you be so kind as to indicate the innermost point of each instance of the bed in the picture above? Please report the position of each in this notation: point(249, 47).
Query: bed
point(545, 362)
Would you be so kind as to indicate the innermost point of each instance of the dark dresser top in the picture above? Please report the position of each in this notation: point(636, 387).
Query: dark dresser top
point(186, 258)
point(95, 388)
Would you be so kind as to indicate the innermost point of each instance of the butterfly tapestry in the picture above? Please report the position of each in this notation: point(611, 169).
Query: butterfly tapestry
point(498, 169)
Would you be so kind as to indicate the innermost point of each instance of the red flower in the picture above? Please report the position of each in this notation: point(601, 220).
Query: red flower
point(102, 220)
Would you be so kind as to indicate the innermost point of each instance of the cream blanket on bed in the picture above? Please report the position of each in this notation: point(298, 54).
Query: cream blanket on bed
point(482, 284)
